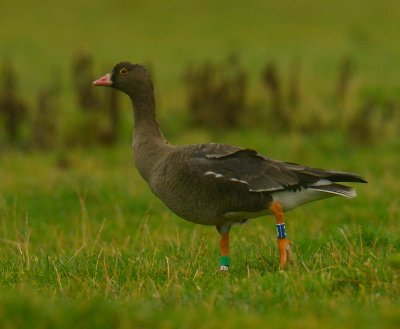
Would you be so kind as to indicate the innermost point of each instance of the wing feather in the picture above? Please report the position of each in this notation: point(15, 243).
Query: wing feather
point(260, 174)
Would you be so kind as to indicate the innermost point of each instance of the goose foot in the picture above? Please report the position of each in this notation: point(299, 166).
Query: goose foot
point(223, 268)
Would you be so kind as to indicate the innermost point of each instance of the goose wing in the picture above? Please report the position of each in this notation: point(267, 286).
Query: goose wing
point(262, 174)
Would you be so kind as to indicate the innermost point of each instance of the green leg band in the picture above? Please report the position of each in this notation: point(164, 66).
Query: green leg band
point(224, 261)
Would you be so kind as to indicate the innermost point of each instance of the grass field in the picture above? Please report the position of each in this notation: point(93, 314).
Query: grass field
point(86, 245)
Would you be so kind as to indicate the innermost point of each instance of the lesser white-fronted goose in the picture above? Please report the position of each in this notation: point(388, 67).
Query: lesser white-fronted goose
point(218, 184)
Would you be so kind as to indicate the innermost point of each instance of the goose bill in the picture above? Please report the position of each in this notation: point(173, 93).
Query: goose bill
point(104, 81)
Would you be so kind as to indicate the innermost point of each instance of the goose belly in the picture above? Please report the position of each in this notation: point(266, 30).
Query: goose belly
point(292, 199)
point(288, 200)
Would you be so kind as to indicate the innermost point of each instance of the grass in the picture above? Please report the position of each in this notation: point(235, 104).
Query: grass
point(90, 246)
point(84, 243)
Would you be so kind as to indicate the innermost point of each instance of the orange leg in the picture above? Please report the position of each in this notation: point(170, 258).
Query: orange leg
point(283, 242)
point(224, 247)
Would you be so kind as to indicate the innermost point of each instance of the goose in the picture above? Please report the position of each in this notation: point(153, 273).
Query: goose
point(218, 184)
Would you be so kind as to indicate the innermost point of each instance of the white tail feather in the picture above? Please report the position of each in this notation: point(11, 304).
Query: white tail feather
point(336, 189)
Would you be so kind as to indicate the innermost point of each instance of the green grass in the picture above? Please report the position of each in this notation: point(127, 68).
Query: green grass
point(87, 245)
point(90, 246)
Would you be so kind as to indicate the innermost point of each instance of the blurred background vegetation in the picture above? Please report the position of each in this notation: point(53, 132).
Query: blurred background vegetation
point(315, 82)
point(307, 66)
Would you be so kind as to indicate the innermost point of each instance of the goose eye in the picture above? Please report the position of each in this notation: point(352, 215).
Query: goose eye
point(123, 71)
